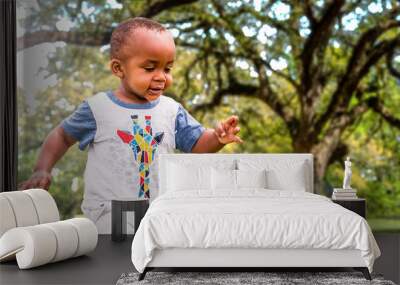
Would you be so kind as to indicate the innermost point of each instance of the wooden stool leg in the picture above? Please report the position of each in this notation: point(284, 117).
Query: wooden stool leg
point(116, 220)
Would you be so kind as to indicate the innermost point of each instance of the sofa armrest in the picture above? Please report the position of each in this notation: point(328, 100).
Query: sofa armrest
point(40, 244)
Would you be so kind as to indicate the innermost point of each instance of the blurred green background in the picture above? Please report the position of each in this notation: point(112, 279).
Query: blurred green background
point(303, 76)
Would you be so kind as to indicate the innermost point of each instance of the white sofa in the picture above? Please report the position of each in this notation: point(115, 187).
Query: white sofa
point(31, 231)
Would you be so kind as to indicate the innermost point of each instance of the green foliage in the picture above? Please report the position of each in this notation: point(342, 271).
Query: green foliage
point(385, 225)
point(212, 51)
point(260, 130)
point(374, 149)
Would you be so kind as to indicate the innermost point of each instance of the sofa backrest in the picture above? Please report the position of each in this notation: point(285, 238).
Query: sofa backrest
point(284, 164)
point(26, 208)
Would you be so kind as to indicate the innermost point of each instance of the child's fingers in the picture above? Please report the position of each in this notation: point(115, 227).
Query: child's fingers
point(238, 139)
point(27, 185)
point(234, 138)
point(229, 128)
point(233, 131)
point(220, 130)
point(21, 186)
point(44, 183)
point(236, 130)
point(232, 121)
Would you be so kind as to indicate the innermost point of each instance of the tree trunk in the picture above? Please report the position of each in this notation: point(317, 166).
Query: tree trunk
point(322, 153)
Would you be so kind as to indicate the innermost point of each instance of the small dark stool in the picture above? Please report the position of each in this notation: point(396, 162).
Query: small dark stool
point(118, 216)
point(358, 205)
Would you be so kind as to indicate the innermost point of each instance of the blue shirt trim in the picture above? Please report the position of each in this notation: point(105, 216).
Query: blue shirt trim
point(117, 101)
point(81, 124)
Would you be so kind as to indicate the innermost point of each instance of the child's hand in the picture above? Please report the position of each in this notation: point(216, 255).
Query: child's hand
point(226, 130)
point(39, 179)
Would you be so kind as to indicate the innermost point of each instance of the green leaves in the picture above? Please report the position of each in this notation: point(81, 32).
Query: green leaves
point(299, 75)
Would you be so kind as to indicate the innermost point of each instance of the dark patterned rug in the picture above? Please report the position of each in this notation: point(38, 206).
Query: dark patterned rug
point(243, 278)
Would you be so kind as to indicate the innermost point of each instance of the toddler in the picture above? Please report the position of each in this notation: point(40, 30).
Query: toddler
point(126, 129)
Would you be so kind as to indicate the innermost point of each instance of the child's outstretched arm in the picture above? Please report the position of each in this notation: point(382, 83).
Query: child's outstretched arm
point(212, 140)
point(53, 148)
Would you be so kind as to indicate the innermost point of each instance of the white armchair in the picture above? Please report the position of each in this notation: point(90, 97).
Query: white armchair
point(31, 230)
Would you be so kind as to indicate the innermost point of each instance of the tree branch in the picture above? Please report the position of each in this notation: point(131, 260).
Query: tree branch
point(365, 54)
point(159, 6)
point(325, 148)
point(309, 13)
point(376, 104)
point(389, 63)
point(73, 37)
point(249, 51)
point(318, 39)
point(234, 88)
point(283, 75)
point(86, 39)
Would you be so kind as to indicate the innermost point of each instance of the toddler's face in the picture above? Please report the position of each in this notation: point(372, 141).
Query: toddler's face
point(148, 63)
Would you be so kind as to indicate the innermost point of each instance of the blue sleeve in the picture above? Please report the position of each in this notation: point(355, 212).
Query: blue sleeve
point(81, 125)
point(187, 130)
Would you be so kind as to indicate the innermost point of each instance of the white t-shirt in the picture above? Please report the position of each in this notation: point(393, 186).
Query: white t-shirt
point(123, 150)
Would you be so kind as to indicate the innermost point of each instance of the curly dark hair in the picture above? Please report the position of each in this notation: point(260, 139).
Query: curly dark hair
point(126, 29)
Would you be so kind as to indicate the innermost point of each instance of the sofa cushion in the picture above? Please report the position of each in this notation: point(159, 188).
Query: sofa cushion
point(7, 215)
point(45, 206)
